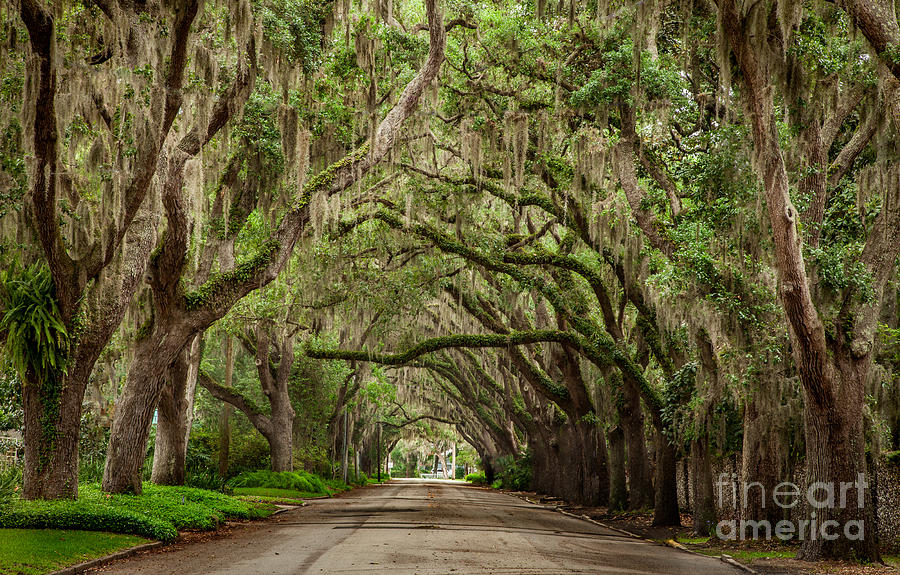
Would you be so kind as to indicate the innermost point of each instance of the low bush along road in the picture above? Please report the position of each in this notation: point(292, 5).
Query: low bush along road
point(421, 527)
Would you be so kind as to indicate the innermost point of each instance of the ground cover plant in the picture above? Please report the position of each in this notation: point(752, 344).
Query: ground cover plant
point(298, 481)
point(159, 513)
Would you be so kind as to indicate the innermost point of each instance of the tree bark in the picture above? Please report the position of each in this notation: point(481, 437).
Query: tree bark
point(665, 508)
point(225, 416)
point(175, 414)
point(51, 440)
point(618, 491)
point(704, 508)
point(640, 484)
point(134, 412)
point(759, 463)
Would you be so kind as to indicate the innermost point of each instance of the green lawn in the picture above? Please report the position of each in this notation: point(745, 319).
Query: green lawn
point(702, 545)
point(277, 493)
point(35, 551)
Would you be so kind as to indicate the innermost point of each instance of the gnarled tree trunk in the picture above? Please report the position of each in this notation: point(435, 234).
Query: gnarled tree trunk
point(175, 413)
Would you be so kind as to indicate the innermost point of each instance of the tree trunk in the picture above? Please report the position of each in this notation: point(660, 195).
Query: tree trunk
point(280, 450)
point(835, 453)
point(225, 417)
point(281, 441)
point(128, 437)
point(175, 414)
point(453, 463)
point(52, 425)
point(704, 504)
point(759, 464)
point(595, 478)
point(665, 509)
point(570, 469)
point(831, 369)
point(618, 492)
point(544, 466)
point(640, 484)
point(134, 412)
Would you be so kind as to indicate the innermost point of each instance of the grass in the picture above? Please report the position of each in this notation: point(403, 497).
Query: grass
point(276, 492)
point(35, 551)
point(336, 486)
point(158, 514)
point(707, 546)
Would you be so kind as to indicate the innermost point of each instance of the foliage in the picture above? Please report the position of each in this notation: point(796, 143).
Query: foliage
point(275, 493)
point(293, 480)
point(158, 513)
point(10, 401)
point(208, 479)
point(34, 552)
point(9, 485)
point(514, 472)
point(335, 485)
point(476, 478)
point(295, 28)
point(37, 342)
point(86, 516)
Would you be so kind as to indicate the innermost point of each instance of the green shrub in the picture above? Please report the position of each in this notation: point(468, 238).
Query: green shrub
point(207, 479)
point(85, 516)
point(158, 513)
point(293, 480)
point(275, 492)
point(476, 478)
point(336, 485)
point(514, 473)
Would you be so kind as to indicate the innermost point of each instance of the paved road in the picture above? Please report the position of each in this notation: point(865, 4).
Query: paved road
point(423, 528)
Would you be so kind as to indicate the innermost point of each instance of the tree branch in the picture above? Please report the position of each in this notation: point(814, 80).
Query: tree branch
point(229, 395)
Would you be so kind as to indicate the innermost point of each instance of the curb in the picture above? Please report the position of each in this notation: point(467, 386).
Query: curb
point(731, 561)
point(559, 509)
point(604, 525)
point(82, 567)
point(728, 559)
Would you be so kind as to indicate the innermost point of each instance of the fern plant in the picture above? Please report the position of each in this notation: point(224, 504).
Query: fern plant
point(36, 337)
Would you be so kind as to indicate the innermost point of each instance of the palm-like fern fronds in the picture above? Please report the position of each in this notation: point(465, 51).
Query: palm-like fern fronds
point(37, 340)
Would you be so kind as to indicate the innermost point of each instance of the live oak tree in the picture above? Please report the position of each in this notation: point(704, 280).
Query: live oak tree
point(612, 231)
point(96, 122)
point(180, 314)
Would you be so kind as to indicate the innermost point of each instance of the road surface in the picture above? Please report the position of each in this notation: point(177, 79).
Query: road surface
point(423, 528)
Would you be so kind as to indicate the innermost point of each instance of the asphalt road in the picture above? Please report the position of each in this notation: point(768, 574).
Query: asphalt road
point(424, 528)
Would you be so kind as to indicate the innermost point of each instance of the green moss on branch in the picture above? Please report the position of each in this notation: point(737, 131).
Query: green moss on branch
point(443, 342)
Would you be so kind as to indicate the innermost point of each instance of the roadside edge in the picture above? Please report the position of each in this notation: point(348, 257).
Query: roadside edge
point(728, 559)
